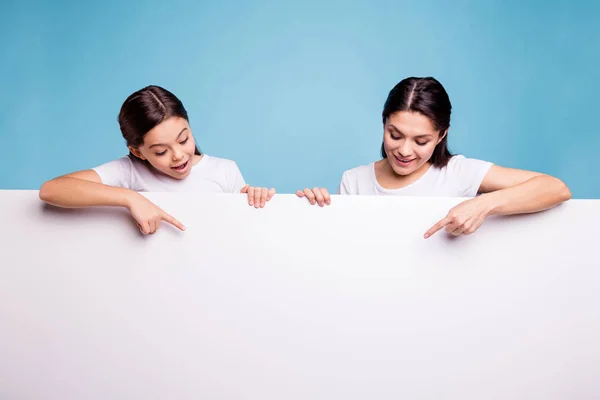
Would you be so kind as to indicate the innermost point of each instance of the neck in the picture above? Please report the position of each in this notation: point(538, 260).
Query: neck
point(197, 159)
point(389, 179)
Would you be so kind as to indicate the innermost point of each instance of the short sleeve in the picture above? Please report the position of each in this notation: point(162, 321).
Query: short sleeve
point(236, 180)
point(116, 172)
point(468, 173)
point(344, 187)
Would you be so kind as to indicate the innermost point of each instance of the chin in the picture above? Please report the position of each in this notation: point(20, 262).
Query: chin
point(171, 174)
point(402, 171)
point(398, 170)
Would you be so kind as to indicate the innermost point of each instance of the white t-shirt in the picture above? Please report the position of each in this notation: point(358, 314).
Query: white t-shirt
point(209, 175)
point(461, 177)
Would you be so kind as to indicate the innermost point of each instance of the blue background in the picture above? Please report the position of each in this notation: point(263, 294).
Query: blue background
point(293, 92)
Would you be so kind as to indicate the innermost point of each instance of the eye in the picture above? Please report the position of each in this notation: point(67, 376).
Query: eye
point(422, 143)
point(162, 153)
point(394, 137)
point(184, 141)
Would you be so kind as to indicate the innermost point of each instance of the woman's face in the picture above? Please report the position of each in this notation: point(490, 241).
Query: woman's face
point(409, 139)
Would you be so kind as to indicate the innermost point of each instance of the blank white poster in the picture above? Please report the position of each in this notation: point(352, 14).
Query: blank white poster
point(296, 301)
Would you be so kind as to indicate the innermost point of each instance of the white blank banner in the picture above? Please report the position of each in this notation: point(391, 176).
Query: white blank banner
point(297, 302)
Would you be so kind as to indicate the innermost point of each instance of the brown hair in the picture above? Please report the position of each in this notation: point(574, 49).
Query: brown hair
point(428, 97)
point(145, 109)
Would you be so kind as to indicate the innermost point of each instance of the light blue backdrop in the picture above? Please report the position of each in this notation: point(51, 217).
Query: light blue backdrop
point(293, 91)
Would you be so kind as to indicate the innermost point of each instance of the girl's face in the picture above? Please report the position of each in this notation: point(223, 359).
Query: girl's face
point(409, 139)
point(169, 147)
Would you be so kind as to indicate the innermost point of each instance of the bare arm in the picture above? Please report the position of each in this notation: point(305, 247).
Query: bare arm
point(505, 191)
point(84, 189)
point(513, 191)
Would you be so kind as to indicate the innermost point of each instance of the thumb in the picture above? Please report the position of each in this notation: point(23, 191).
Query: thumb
point(245, 189)
point(300, 193)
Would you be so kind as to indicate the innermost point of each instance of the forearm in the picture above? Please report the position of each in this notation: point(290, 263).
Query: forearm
point(71, 192)
point(536, 194)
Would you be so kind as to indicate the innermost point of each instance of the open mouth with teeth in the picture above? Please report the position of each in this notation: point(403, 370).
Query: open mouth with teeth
point(404, 161)
point(181, 167)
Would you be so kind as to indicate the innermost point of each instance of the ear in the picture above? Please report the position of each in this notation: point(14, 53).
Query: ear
point(442, 136)
point(136, 152)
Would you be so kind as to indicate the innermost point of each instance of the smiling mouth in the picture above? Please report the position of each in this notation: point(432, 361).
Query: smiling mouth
point(404, 160)
point(181, 167)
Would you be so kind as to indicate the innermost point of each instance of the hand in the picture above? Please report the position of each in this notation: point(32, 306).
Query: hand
point(149, 216)
point(316, 195)
point(463, 219)
point(258, 196)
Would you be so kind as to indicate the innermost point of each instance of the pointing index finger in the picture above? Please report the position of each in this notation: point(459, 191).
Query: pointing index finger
point(173, 221)
point(439, 225)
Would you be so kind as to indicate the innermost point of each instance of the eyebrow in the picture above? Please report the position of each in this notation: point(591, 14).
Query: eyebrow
point(160, 144)
point(426, 135)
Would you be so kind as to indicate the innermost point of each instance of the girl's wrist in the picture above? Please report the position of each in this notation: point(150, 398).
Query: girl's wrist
point(127, 198)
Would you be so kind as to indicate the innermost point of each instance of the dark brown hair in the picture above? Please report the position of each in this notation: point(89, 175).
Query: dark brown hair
point(145, 109)
point(428, 97)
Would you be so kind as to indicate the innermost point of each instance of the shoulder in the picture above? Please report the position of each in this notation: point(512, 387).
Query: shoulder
point(223, 171)
point(461, 164)
point(357, 180)
point(223, 164)
point(359, 173)
point(124, 161)
point(120, 165)
point(466, 174)
point(117, 172)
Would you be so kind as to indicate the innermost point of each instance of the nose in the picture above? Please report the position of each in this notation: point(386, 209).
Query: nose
point(177, 154)
point(404, 148)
